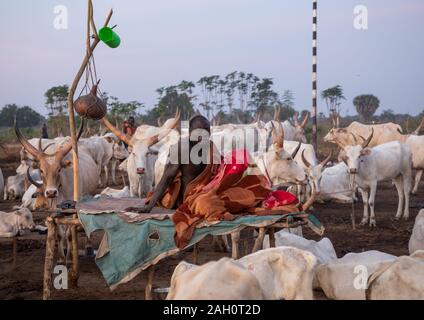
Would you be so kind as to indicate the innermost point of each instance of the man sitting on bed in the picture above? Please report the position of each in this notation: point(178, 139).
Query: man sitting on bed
point(180, 170)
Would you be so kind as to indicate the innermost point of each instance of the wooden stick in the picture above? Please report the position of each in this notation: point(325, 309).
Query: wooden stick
point(74, 273)
point(196, 254)
point(235, 239)
point(259, 240)
point(49, 259)
point(271, 233)
point(70, 102)
point(149, 285)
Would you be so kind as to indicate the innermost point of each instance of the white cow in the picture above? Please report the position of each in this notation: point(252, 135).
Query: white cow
point(323, 250)
point(402, 279)
point(224, 279)
point(11, 223)
point(368, 166)
point(335, 184)
point(346, 278)
point(294, 132)
point(140, 170)
point(114, 193)
point(277, 273)
point(101, 151)
point(416, 242)
point(15, 187)
point(120, 153)
point(278, 164)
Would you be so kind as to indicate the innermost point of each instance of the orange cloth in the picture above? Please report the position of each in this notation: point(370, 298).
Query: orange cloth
point(214, 197)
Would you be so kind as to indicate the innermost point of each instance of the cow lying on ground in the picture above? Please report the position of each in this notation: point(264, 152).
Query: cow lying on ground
point(277, 273)
point(114, 193)
point(416, 242)
point(402, 279)
point(346, 278)
point(15, 187)
point(12, 223)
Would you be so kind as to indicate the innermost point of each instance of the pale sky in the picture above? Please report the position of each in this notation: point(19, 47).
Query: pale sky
point(166, 41)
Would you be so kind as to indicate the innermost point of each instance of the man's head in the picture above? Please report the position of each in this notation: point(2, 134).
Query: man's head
point(131, 121)
point(199, 128)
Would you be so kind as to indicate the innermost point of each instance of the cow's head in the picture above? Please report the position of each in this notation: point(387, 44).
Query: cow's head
point(299, 132)
point(141, 148)
point(342, 135)
point(25, 221)
point(315, 172)
point(50, 165)
point(353, 155)
point(118, 148)
point(280, 166)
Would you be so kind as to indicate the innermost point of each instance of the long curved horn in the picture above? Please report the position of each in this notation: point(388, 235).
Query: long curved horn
point(165, 130)
point(274, 134)
point(354, 138)
point(32, 181)
point(416, 132)
point(115, 131)
point(159, 122)
point(296, 119)
point(277, 114)
point(306, 162)
point(309, 202)
point(305, 120)
point(39, 144)
point(296, 150)
point(323, 163)
point(367, 142)
point(26, 145)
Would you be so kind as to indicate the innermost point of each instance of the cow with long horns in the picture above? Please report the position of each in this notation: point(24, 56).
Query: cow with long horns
point(140, 162)
point(367, 166)
point(279, 165)
point(56, 170)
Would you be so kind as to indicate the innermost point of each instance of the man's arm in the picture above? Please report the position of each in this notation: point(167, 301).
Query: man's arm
point(169, 174)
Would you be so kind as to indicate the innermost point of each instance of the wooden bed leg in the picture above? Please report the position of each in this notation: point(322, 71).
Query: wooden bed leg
point(74, 273)
point(49, 259)
point(196, 254)
point(235, 239)
point(259, 240)
point(149, 285)
point(15, 252)
point(271, 233)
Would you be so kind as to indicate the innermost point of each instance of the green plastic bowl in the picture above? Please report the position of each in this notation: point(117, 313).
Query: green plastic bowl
point(109, 37)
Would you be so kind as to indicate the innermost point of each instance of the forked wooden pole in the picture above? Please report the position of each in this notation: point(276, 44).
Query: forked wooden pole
point(49, 259)
point(89, 52)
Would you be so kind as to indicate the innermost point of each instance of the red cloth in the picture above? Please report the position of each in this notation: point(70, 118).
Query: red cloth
point(279, 198)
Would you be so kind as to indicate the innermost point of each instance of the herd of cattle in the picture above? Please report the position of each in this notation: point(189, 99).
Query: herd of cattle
point(368, 154)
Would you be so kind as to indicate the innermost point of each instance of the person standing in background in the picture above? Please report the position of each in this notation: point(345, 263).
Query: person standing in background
point(44, 132)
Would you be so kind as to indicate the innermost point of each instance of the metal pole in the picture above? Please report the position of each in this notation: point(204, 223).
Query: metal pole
point(314, 75)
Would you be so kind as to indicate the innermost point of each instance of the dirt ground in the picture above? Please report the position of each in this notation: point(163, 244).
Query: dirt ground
point(26, 280)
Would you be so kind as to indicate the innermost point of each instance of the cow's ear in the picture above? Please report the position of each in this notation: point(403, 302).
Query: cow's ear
point(66, 163)
point(366, 152)
point(109, 139)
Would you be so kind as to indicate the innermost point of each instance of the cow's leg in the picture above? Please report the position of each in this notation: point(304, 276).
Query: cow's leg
point(364, 194)
point(106, 170)
point(371, 203)
point(99, 171)
point(399, 187)
point(113, 171)
point(406, 192)
point(418, 176)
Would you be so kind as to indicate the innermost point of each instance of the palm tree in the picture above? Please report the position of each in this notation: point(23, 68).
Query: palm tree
point(366, 105)
point(333, 97)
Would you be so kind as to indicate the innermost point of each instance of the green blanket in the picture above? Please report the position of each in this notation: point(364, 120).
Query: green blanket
point(129, 248)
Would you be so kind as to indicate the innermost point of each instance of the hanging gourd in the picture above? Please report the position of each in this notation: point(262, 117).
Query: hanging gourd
point(91, 106)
